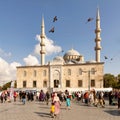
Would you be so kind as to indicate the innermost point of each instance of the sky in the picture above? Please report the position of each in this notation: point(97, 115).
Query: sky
point(20, 28)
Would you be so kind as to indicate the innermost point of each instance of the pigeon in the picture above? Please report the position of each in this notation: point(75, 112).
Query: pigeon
point(89, 19)
point(51, 30)
point(55, 19)
point(111, 59)
point(105, 57)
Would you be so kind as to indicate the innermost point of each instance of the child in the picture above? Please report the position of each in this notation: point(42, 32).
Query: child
point(52, 110)
point(68, 102)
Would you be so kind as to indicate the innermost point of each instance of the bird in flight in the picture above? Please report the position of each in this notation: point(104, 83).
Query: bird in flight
point(55, 19)
point(105, 57)
point(52, 30)
point(111, 59)
point(108, 58)
point(89, 19)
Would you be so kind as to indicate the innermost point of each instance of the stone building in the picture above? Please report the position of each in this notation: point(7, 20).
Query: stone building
point(64, 72)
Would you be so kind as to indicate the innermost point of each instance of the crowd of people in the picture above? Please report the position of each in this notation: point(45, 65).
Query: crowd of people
point(55, 99)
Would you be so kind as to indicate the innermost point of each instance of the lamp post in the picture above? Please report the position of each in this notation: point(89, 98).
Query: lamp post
point(89, 82)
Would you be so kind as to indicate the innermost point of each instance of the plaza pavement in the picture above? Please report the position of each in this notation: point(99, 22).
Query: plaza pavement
point(40, 111)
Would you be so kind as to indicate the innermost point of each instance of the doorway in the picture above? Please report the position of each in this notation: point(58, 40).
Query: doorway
point(56, 83)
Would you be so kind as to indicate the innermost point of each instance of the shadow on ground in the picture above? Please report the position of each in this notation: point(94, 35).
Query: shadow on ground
point(113, 112)
point(43, 114)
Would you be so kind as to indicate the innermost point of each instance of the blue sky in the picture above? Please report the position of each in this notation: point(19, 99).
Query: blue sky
point(20, 24)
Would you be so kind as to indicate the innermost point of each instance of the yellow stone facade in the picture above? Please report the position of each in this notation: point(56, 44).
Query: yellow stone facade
point(56, 76)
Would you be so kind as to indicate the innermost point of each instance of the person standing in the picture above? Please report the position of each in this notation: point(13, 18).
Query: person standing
point(68, 103)
point(52, 110)
point(15, 95)
point(110, 98)
point(86, 97)
point(47, 97)
point(57, 104)
point(23, 97)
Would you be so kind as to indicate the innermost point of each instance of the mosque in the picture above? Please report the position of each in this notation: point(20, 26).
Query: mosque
point(69, 71)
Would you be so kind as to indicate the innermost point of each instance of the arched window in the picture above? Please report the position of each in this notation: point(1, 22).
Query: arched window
point(35, 73)
point(25, 73)
point(93, 71)
point(80, 71)
point(44, 73)
point(69, 71)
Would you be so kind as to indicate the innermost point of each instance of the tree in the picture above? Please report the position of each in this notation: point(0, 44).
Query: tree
point(118, 82)
point(109, 80)
point(118, 78)
point(7, 85)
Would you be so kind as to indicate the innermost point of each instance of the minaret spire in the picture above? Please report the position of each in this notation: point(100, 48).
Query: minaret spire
point(42, 43)
point(98, 38)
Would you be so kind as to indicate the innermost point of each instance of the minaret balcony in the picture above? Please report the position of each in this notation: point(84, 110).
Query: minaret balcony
point(42, 52)
point(98, 48)
point(97, 39)
point(42, 44)
point(97, 30)
point(42, 36)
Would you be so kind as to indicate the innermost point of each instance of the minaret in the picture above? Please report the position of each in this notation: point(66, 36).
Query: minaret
point(42, 43)
point(98, 38)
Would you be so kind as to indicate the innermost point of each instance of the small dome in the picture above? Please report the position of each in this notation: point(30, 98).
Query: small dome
point(58, 58)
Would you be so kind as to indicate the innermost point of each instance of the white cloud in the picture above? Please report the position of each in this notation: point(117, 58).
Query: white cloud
point(50, 47)
point(31, 60)
point(4, 54)
point(7, 71)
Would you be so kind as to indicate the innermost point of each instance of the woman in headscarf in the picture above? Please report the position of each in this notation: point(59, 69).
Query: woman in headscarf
point(57, 104)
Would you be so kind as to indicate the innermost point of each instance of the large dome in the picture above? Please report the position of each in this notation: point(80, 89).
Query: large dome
point(71, 55)
point(71, 52)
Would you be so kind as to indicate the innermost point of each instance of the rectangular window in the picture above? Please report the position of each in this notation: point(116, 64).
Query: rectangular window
point(34, 83)
point(24, 84)
point(45, 84)
point(92, 83)
point(79, 83)
point(67, 83)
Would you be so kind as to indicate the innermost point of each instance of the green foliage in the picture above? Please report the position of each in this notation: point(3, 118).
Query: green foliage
point(111, 81)
point(108, 80)
point(7, 85)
